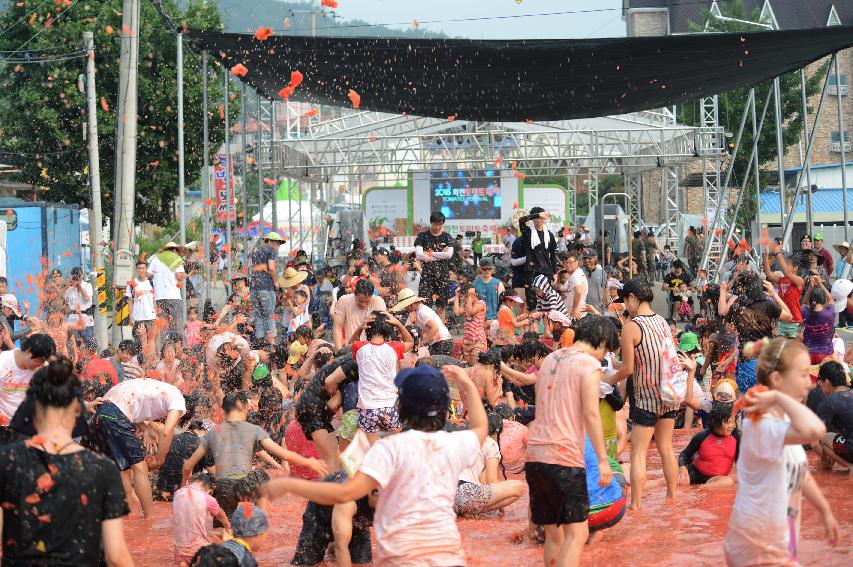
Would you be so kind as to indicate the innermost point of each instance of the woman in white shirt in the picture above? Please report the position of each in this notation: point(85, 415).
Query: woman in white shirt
point(479, 489)
point(772, 469)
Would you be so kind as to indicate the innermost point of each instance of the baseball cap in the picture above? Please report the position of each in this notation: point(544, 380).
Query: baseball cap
point(510, 295)
point(818, 236)
point(589, 253)
point(841, 290)
point(10, 301)
point(248, 520)
point(423, 391)
point(380, 250)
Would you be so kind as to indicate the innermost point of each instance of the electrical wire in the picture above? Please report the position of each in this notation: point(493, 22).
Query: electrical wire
point(487, 18)
point(22, 18)
point(50, 59)
point(38, 33)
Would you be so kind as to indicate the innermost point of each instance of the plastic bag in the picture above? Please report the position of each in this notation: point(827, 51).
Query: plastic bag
point(673, 382)
point(354, 453)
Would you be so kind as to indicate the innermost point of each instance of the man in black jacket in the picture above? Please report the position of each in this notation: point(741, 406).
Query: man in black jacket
point(540, 246)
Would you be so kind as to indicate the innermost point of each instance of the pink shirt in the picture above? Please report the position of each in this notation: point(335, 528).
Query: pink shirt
point(193, 329)
point(419, 473)
point(514, 438)
point(190, 507)
point(557, 433)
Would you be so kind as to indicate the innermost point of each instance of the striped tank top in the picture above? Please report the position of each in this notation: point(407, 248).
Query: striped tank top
point(644, 384)
point(474, 331)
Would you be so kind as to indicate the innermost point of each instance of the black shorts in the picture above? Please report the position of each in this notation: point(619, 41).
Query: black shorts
point(119, 436)
point(435, 289)
point(231, 491)
point(317, 534)
point(841, 447)
point(312, 414)
point(696, 477)
point(646, 418)
point(444, 347)
point(558, 494)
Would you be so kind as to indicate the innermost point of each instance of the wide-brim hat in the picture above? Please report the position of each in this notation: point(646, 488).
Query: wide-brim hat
point(843, 248)
point(171, 245)
point(405, 298)
point(517, 217)
point(292, 277)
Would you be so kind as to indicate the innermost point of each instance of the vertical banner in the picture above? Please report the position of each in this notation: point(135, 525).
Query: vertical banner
point(223, 193)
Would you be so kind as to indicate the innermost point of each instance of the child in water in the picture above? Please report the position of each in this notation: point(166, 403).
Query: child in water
point(773, 473)
point(711, 454)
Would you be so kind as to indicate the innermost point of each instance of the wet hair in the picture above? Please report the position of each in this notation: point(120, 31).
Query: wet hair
point(56, 385)
point(204, 478)
point(141, 263)
point(720, 412)
point(426, 361)
point(503, 410)
point(322, 357)
point(529, 336)
point(423, 423)
point(229, 402)
point(214, 556)
point(640, 289)
point(777, 356)
point(380, 326)
point(301, 293)
point(191, 401)
point(508, 351)
point(128, 346)
point(832, 372)
point(364, 287)
point(39, 345)
point(817, 297)
point(437, 216)
point(303, 331)
point(166, 345)
point(670, 322)
point(491, 357)
point(530, 350)
point(496, 427)
point(597, 331)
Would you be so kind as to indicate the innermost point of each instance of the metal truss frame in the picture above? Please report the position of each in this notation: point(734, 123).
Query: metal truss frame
point(671, 205)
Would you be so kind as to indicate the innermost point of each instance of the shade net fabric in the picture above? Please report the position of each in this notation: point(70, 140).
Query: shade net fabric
point(518, 80)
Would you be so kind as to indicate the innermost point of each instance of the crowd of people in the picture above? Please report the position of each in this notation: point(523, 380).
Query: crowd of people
point(405, 390)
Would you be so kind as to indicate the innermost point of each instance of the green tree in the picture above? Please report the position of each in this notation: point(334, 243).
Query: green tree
point(733, 103)
point(42, 112)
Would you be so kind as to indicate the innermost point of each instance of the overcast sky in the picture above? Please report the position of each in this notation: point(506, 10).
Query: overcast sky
point(590, 18)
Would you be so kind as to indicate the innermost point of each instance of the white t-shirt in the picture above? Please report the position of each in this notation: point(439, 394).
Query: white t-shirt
point(164, 280)
point(146, 399)
point(765, 521)
point(14, 382)
point(419, 472)
point(74, 299)
point(577, 284)
point(489, 450)
point(143, 300)
point(424, 314)
point(377, 368)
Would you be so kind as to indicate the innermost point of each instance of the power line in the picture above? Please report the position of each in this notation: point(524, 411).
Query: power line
point(22, 18)
point(38, 33)
point(488, 18)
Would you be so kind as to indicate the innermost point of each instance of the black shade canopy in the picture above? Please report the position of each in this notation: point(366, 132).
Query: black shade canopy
point(519, 80)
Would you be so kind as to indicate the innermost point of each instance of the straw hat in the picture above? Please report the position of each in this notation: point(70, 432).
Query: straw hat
point(843, 248)
point(405, 298)
point(517, 217)
point(291, 278)
point(171, 245)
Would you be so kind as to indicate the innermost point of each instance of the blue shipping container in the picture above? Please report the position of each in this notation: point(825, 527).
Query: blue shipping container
point(39, 236)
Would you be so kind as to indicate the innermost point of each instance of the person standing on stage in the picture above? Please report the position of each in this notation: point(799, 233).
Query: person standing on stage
point(434, 248)
point(541, 248)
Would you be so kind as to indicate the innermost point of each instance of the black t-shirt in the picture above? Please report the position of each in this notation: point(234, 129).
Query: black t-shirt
point(58, 524)
point(431, 243)
point(170, 474)
point(673, 281)
point(836, 411)
point(315, 390)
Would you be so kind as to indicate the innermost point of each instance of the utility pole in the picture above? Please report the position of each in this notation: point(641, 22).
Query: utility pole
point(96, 239)
point(181, 189)
point(126, 182)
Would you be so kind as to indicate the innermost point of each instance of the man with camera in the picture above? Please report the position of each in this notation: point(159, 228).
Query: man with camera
point(81, 309)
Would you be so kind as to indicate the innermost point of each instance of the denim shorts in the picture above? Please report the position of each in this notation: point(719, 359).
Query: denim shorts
point(263, 308)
